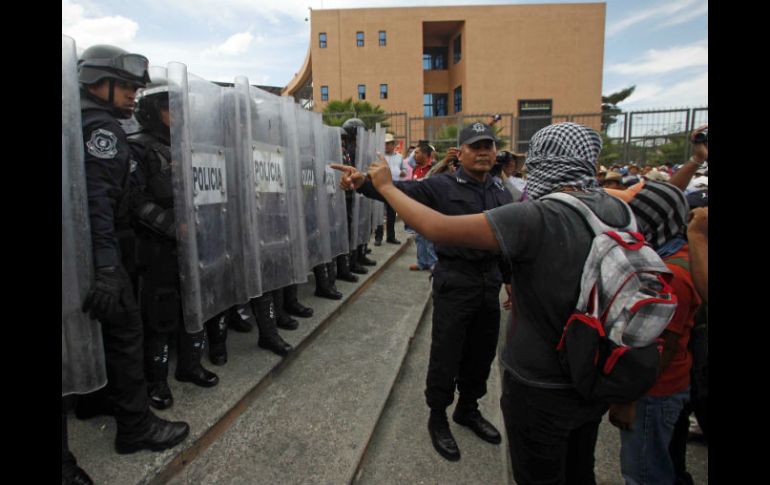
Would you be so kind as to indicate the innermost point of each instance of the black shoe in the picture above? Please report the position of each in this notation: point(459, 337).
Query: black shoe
point(218, 353)
point(330, 293)
point(198, 376)
point(276, 345)
point(366, 261)
point(286, 322)
point(393, 241)
point(160, 395)
point(443, 441)
point(358, 269)
point(76, 476)
point(476, 422)
point(160, 435)
point(348, 277)
point(368, 251)
point(378, 242)
point(298, 310)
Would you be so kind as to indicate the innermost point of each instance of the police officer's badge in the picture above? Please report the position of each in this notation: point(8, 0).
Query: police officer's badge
point(103, 144)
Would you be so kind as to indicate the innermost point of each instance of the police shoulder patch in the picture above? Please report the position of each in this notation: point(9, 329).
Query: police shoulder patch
point(103, 144)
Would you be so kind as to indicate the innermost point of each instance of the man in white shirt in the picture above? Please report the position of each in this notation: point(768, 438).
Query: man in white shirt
point(398, 172)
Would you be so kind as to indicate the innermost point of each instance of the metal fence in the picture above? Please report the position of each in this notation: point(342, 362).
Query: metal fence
point(643, 137)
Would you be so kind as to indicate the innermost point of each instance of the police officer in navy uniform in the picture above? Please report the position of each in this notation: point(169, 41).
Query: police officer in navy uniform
point(109, 78)
point(158, 286)
point(466, 289)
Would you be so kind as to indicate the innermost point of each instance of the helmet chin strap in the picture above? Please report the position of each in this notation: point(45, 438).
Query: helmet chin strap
point(112, 91)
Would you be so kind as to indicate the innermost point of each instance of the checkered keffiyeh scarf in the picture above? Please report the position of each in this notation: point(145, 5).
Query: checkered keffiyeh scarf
point(661, 212)
point(563, 155)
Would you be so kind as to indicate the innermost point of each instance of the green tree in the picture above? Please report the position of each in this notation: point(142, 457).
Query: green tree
point(610, 109)
point(337, 112)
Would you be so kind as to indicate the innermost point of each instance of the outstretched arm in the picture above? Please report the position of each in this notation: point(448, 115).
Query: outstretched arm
point(471, 231)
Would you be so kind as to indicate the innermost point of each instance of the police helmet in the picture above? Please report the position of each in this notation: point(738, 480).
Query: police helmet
point(107, 61)
point(148, 106)
point(351, 126)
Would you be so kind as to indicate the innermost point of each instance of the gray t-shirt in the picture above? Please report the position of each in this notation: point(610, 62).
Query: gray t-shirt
point(547, 243)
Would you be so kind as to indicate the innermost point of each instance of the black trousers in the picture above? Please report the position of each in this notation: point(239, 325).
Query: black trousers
point(126, 389)
point(390, 222)
point(466, 322)
point(551, 433)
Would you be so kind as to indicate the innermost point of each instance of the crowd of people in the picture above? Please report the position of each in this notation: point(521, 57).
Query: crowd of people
point(479, 224)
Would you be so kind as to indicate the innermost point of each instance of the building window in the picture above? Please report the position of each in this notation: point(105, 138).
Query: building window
point(324, 93)
point(534, 114)
point(457, 49)
point(360, 39)
point(383, 91)
point(434, 58)
point(361, 91)
point(458, 99)
point(434, 104)
point(322, 40)
point(383, 39)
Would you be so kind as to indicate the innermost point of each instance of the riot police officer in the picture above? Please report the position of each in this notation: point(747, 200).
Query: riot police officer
point(358, 257)
point(157, 268)
point(343, 260)
point(109, 78)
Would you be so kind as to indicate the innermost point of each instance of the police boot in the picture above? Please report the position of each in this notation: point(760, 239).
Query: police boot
point(188, 365)
point(362, 256)
point(216, 329)
point(158, 435)
point(378, 235)
point(355, 265)
point(156, 370)
point(238, 318)
point(323, 286)
point(282, 319)
point(292, 306)
point(343, 269)
point(264, 312)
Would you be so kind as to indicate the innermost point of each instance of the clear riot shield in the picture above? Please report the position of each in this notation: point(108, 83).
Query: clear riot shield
point(364, 227)
point(312, 173)
point(246, 200)
point(338, 227)
point(82, 350)
point(276, 190)
point(376, 146)
point(205, 197)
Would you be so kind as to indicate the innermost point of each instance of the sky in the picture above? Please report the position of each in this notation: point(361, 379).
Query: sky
point(661, 46)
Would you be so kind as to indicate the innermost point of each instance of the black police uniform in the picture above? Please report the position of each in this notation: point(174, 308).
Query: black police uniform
point(466, 289)
point(158, 286)
point(107, 165)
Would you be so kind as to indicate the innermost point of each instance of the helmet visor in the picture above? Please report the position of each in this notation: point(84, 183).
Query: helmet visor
point(133, 64)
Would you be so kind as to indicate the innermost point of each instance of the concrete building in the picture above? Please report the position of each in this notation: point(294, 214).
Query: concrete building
point(435, 61)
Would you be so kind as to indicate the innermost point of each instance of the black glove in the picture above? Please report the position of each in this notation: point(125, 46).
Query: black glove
point(104, 296)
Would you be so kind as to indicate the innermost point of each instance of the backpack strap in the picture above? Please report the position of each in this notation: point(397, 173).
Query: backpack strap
point(596, 224)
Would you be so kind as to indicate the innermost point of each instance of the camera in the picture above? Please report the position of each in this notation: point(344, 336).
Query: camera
point(702, 137)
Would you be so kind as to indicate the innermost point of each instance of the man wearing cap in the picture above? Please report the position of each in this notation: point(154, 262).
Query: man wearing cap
point(398, 171)
point(466, 289)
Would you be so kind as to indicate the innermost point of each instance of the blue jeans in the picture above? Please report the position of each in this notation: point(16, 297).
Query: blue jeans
point(426, 255)
point(644, 455)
